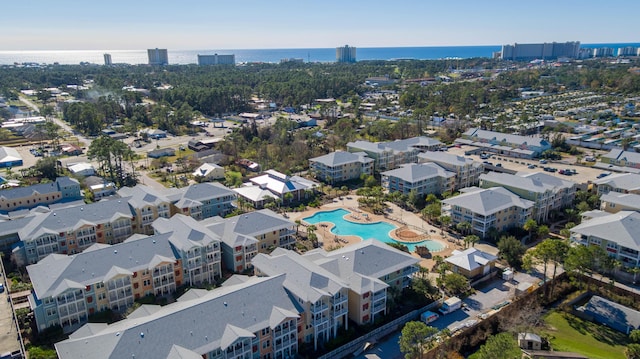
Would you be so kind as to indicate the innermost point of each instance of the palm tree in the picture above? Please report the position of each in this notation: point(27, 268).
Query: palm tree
point(471, 240)
point(445, 221)
point(530, 225)
point(298, 223)
point(464, 227)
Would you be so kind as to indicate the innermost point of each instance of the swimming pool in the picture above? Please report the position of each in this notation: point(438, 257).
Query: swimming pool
point(377, 230)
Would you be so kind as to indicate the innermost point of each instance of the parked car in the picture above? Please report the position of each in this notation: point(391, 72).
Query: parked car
point(603, 174)
point(543, 161)
point(531, 166)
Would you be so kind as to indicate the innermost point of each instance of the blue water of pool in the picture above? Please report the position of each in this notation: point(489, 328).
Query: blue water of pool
point(377, 230)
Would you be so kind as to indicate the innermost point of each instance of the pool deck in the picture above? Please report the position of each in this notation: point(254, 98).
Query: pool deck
point(394, 215)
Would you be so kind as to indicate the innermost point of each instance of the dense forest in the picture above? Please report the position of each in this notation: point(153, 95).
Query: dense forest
point(170, 97)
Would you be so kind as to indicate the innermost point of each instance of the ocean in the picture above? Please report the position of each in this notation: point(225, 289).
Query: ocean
point(182, 57)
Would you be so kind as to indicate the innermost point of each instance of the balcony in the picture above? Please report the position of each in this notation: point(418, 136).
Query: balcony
point(339, 312)
point(317, 309)
point(339, 300)
point(378, 307)
point(321, 323)
point(379, 296)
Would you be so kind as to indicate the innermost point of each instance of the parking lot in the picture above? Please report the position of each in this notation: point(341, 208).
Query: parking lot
point(583, 173)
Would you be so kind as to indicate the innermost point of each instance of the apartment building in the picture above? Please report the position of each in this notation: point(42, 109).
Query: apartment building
point(619, 182)
point(614, 202)
point(322, 295)
point(423, 178)
point(201, 324)
point(158, 56)
point(64, 189)
point(341, 166)
point(270, 229)
point(466, 169)
point(71, 230)
point(216, 59)
point(493, 207)
point(238, 249)
point(370, 268)
point(617, 233)
point(196, 245)
point(68, 289)
point(346, 54)
point(147, 204)
point(202, 200)
point(390, 155)
point(504, 143)
point(549, 193)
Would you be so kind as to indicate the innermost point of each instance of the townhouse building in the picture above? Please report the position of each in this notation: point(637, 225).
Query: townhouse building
point(370, 268)
point(201, 324)
point(202, 200)
point(423, 178)
point(617, 233)
point(467, 170)
point(614, 202)
point(68, 289)
point(505, 144)
point(322, 295)
point(549, 193)
point(70, 230)
point(486, 208)
point(619, 182)
point(390, 155)
point(147, 204)
point(196, 245)
point(341, 166)
point(63, 189)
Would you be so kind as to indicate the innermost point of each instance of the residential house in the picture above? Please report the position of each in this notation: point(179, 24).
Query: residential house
point(68, 289)
point(529, 341)
point(471, 262)
point(341, 166)
point(619, 182)
point(622, 158)
point(614, 202)
point(466, 169)
point(617, 233)
point(147, 204)
point(493, 207)
point(612, 314)
point(209, 171)
point(227, 322)
point(99, 187)
point(370, 267)
point(390, 155)
point(549, 193)
point(422, 178)
point(197, 246)
point(155, 134)
point(64, 189)
point(322, 295)
point(505, 144)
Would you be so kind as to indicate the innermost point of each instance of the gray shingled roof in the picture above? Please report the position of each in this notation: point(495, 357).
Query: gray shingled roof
point(199, 192)
point(445, 157)
point(528, 184)
point(305, 279)
point(187, 232)
point(56, 272)
point(508, 138)
point(71, 218)
point(630, 200)
point(625, 181)
point(622, 228)
point(413, 172)
point(42, 188)
point(341, 157)
point(363, 263)
point(258, 222)
point(488, 201)
point(141, 196)
point(198, 325)
point(470, 258)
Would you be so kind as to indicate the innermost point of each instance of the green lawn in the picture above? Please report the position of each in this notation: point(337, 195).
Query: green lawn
point(572, 334)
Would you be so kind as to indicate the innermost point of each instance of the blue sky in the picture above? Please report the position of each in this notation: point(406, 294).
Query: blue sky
point(250, 24)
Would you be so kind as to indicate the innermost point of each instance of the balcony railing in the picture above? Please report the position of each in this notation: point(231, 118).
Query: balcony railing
point(338, 312)
point(315, 309)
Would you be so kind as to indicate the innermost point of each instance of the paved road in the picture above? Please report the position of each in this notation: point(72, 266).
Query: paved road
point(9, 341)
